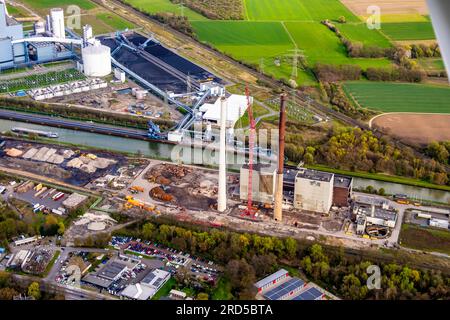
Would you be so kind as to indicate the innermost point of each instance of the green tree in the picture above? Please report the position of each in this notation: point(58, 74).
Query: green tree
point(202, 296)
point(34, 290)
point(290, 246)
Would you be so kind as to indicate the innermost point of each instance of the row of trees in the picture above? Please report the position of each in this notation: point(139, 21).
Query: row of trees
point(440, 151)
point(350, 280)
point(177, 22)
point(357, 150)
point(425, 51)
point(396, 74)
point(334, 73)
point(216, 9)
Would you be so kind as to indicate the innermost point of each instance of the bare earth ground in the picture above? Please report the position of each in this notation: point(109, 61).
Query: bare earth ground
point(415, 128)
point(359, 7)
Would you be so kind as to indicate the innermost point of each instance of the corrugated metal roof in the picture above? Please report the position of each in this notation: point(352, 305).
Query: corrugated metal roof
point(269, 279)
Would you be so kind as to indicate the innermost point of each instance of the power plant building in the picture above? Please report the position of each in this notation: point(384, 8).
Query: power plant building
point(10, 30)
point(57, 21)
point(313, 190)
point(263, 183)
point(342, 191)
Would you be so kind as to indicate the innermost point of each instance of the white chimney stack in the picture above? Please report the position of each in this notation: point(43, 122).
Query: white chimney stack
point(222, 198)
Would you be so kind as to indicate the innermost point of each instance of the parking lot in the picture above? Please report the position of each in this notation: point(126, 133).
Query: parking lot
point(196, 266)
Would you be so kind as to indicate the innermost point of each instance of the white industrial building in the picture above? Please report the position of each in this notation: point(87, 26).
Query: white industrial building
point(263, 183)
point(236, 108)
point(313, 190)
point(148, 287)
point(60, 90)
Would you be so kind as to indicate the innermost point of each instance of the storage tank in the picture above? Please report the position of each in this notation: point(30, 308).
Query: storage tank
point(96, 60)
point(57, 21)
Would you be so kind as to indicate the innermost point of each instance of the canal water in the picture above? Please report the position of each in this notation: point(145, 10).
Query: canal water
point(166, 151)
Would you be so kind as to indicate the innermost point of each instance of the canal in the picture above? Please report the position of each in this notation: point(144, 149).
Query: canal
point(166, 151)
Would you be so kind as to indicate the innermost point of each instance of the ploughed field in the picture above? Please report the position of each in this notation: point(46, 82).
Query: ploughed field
point(417, 129)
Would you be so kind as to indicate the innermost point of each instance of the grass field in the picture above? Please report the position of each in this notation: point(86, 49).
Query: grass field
point(101, 20)
point(426, 239)
point(408, 31)
point(432, 64)
point(360, 33)
point(114, 21)
point(400, 97)
point(155, 6)
point(321, 45)
point(47, 4)
point(17, 11)
point(304, 10)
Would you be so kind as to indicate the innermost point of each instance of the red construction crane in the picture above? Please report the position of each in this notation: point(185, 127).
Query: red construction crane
point(250, 211)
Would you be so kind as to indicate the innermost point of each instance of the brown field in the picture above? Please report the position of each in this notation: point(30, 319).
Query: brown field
point(359, 7)
point(413, 128)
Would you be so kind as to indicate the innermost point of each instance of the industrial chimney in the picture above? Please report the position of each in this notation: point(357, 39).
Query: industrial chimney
point(278, 209)
point(222, 198)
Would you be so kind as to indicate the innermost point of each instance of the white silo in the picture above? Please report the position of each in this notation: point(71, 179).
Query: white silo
point(57, 21)
point(96, 60)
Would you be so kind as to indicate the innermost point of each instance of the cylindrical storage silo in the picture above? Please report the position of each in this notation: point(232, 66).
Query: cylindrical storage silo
point(96, 60)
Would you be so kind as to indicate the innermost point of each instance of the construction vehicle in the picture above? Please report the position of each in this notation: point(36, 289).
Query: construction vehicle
point(133, 203)
point(38, 187)
point(137, 188)
point(154, 131)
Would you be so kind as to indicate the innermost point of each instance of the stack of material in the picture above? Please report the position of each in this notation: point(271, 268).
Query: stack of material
point(68, 154)
point(56, 159)
point(30, 153)
point(160, 194)
point(40, 154)
point(75, 163)
point(25, 187)
point(88, 168)
point(102, 163)
point(47, 155)
point(13, 152)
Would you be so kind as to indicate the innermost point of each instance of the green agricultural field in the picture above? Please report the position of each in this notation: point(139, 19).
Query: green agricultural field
point(304, 10)
point(360, 33)
point(155, 6)
point(114, 21)
point(400, 97)
point(432, 64)
point(257, 43)
point(408, 31)
point(322, 45)
point(46, 4)
point(17, 11)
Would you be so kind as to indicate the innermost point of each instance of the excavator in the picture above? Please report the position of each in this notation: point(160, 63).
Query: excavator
point(133, 203)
